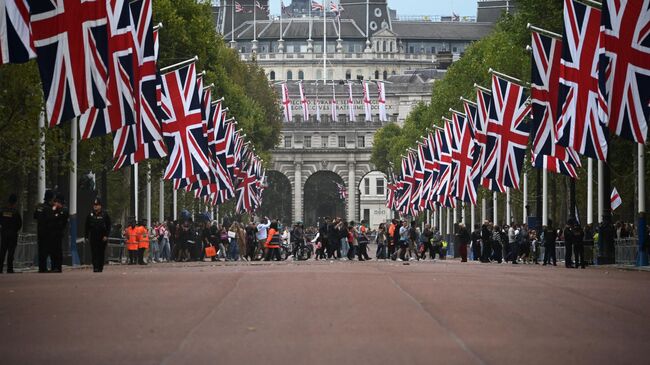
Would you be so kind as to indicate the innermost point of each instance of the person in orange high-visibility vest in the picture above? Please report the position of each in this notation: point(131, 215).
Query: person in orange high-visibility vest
point(143, 241)
point(131, 236)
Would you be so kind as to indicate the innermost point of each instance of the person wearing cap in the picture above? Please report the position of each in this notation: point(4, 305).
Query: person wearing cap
point(10, 223)
point(57, 220)
point(40, 216)
point(98, 227)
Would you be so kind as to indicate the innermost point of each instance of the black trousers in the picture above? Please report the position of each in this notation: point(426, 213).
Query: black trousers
point(428, 247)
point(133, 257)
point(579, 251)
point(568, 254)
point(476, 250)
point(8, 249)
point(43, 252)
point(98, 251)
point(273, 254)
point(56, 254)
point(141, 256)
point(487, 251)
point(549, 254)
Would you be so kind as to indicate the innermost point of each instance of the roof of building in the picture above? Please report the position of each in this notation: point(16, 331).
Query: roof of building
point(442, 30)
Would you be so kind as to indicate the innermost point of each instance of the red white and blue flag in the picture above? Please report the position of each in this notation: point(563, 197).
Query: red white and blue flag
point(71, 39)
point(545, 153)
point(507, 133)
point(579, 126)
point(625, 68)
point(182, 125)
point(483, 105)
point(444, 156)
point(16, 43)
point(463, 159)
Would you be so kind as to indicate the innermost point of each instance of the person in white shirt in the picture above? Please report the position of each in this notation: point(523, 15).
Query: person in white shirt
point(262, 233)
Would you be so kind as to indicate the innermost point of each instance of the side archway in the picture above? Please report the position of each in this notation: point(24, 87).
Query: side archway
point(322, 197)
point(277, 198)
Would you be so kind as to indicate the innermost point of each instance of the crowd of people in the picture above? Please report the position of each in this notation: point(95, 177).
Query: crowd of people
point(267, 239)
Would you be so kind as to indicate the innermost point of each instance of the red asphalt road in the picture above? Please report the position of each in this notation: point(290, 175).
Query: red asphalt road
point(326, 313)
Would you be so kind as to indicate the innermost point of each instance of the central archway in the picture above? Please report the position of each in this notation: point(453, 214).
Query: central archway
point(322, 197)
point(277, 197)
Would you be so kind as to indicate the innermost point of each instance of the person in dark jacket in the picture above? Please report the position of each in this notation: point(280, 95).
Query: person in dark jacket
point(476, 242)
point(579, 245)
point(10, 223)
point(98, 227)
point(57, 220)
point(40, 216)
point(486, 238)
point(550, 236)
point(568, 244)
point(463, 237)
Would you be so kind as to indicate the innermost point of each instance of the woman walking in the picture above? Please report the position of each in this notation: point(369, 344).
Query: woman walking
point(273, 243)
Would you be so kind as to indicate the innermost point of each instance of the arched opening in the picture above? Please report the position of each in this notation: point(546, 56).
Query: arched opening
point(372, 199)
point(272, 75)
point(301, 75)
point(385, 74)
point(383, 46)
point(348, 75)
point(377, 75)
point(322, 197)
point(289, 75)
point(277, 197)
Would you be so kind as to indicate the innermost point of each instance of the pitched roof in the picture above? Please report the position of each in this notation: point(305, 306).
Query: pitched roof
point(441, 30)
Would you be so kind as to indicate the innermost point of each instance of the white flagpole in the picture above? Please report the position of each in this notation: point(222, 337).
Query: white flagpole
point(135, 194)
point(367, 25)
point(508, 207)
point(232, 32)
point(310, 18)
point(601, 191)
point(590, 191)
point(161, 201)
point(72, 208)
point(281, 11)
point(324, 42)
point(148, 196)
point(483, 209)
point(495, 209)
point(175, 204)
point(525, 211)
point(642, 257)
point(254, 26)
point(472, 216)
point(544, 197)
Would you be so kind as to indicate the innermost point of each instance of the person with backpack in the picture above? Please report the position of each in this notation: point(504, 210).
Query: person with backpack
point(381, 241)
point(436, 244)
point(427, 246)
point(362, 248)
point(272, 244)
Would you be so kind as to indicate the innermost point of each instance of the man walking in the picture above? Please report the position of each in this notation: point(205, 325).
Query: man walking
point(10, 223)
point(40, 216)
point(57, 220)
point(262, 234)
point(463, 238)
point(549, 244)
point(98, 227)
point(568, 244)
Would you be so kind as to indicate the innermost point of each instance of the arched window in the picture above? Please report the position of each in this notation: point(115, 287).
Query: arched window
point(391, 47)
point(272, 75)
point(330, 74)
point(383, 46)
point(385, 75)
point(289, 75)
point(348, 74)
point(301, 75)
point(393, 72)
point(319, 74)
point(377, 75)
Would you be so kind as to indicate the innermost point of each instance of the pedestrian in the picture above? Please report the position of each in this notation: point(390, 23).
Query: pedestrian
point(476, 243)
point(57, 220)
point(362, 249)
point(98, 227)
point(550, 236)
point(412, 241)
point(390, 237)
point(143, 241)
point(464, 239)
point(497, 243)
point(578, 245)
point(131, 236)
point(42, 235)
point(381, 241)
point(10, 223)
point(272, 244)
point(163, 236)
point(486, 240)
point(403, 241)
point(251, 242)
point(262, 234)
point(297, 239)
point(436, 244)
point(426, 237)
point(568, 244)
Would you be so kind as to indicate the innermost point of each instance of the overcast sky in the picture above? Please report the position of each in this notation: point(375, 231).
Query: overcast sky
point(415, 7)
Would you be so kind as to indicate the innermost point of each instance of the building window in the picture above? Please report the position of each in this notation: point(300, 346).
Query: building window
point(385, 75)
point(272, 75)
point(287, 142)
point(301, 75)
point(307, 141)
point(411, 49)
point(323, 142)
point(454, 50)
point(289, 75)
point(361, 141)
point(380, 187)
point(391, 47)
point(342, 141)
point(319, 74)
point(366, 215)
point(377, 75)
point(433, 49)
point(366, 186)
point(383, 46)
point(348, 75)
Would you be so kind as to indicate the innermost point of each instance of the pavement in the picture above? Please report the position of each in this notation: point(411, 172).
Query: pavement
point(325, 312)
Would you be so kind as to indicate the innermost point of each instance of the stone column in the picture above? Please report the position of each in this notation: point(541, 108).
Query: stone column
point(297, 193)
point(352, 192)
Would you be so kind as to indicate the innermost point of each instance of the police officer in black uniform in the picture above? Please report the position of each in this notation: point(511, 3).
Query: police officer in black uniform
point(40, 216)
point(98, 227)
point(10, 224)
point(57, 220)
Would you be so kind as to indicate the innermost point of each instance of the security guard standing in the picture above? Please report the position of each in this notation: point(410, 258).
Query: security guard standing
point(143, 241)
point(98, 227)
point(10, 223)
point(40, 216)
point(131, 235)
point(57, 220)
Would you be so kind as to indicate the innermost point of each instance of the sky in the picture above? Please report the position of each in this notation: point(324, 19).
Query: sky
point(415, 7)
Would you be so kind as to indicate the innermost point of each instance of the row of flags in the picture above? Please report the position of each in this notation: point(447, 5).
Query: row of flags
point(352, 114)
point(98, 62)
point(592, 81)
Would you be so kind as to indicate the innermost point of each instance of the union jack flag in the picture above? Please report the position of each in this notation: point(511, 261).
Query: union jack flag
point(352, 115)
point(544, 94)
point(407, 185)
point(471, 112)
point(443, 152)
point(304, 103)
point(182, 127)
point(238, 7)
point(315, 5)
point(286, 104)
point(430, 168)
point(366, 102)
point(223, 137)
point(246, 195)
point(578, 123)
point(121, 86)
point(392, 188)
point(71, 39)
point(507, 134)
point(417, 203)
point(483, 105)
point(16, 44)
point(462, 152)
point(625, 68)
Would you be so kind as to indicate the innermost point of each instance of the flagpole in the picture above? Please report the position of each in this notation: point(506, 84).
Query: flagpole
point(254, 48)
point(367, 26)
point(601, 191)
point(174, 203)
point(41, 156)
point(161, 201)
point(179, 64)
point(525, 210)
point(495, 214)
point(310, 22)
point(590, 191)
point(642, 257)
point(483, 209)
point(544, 197)
point(135, 191)
point(72, 208)
point(508, 207)
point(472, 216)
point(324, 42)
point(232, 32)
